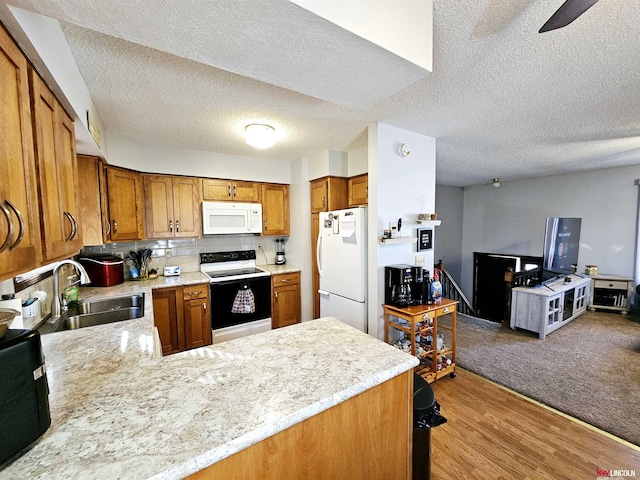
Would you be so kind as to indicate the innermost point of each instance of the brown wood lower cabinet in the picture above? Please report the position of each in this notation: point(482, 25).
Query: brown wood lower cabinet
point(286, 305)
point(181, 315)
point(368, 436)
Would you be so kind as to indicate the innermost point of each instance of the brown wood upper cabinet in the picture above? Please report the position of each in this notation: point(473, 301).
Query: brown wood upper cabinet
point(172, 206)
point(230, 190)
point(19, 226)
point(125, 204)
point(286, 305)
point(329, 193)
point(181, 315)
point(275, 209)
point(55, 154)
point(359, 190)
point(91, 171)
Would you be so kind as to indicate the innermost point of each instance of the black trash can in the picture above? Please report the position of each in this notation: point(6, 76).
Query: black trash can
point(426, 414)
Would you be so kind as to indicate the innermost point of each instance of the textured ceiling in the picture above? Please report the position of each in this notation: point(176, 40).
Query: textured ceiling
point(503, 101)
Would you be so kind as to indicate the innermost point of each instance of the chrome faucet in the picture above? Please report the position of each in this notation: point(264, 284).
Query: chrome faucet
point(56, 309)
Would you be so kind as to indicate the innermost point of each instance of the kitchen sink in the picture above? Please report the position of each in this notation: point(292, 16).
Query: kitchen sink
point(99, 305)
point(99, 318)
point(97, 311)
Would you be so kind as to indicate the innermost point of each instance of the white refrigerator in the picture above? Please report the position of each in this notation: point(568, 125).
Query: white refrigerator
point(342, 263)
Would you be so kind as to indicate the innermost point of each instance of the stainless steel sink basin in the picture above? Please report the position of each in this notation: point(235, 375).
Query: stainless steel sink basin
point(99, 318)
point(98, 305)
point(97, 311)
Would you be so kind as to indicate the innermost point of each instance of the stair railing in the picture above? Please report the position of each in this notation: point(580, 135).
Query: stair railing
point(451, 290)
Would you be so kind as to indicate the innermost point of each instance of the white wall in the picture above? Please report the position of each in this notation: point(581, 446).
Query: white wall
point(126, 152)
point(328, 162)
point(399, 187)
point(298, 248)
point(357, 161)
point(511, 219)
point(448, 236)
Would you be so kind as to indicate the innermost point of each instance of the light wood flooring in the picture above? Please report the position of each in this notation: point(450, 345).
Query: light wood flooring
point(493, 433)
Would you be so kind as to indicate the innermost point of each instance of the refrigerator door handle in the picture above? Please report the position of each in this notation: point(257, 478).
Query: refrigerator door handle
point(318, 253)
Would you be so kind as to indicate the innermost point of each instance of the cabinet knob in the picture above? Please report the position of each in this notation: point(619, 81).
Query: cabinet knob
point(446, 310)
point(276, 294)
point(228, 190)
point(171, 226)
point(177, 226)
point(115, 226)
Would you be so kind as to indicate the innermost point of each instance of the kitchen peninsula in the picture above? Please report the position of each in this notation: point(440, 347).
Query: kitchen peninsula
point(316, 397)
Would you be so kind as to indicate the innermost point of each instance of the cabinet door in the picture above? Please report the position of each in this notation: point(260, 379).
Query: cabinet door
point(214, 189)
point(286, 303)
point(286, 306)
point(358, 190)
point(158, 198)
point(90, 200)
point(319, 195)
point(337, 193)
point(275, 209)
point(315, 279)
point(246, 192)
point(56, 170)
point(167, 317)
point(186, 207)
point(125, 193)
point(197, 319)
point(19, 225)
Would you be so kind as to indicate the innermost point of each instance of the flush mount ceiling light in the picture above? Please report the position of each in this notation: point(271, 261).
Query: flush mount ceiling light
point(496, 182)
point(259, 135)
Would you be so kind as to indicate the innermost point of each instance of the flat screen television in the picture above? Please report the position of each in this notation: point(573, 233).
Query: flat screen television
point(561, 244)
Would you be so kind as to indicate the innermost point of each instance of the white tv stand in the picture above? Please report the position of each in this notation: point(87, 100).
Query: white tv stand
point(549, 306)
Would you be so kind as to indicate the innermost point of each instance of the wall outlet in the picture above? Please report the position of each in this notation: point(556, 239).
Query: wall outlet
point(420, 260)
point(167, 253)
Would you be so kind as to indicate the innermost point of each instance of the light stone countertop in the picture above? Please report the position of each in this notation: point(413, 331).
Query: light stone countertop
point(277, 269)
point(118, 412)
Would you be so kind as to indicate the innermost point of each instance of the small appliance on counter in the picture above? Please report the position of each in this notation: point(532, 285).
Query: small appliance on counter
point(24, 392)
point(280, 258)
point(398, 280)
point(104, 270)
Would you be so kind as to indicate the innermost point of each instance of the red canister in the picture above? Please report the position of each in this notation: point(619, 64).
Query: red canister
point(104, 270)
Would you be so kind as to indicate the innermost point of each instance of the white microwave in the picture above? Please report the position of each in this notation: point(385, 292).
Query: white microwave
point(220, 218)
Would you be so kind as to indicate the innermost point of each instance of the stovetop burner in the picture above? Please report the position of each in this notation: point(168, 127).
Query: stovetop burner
point(222, 266)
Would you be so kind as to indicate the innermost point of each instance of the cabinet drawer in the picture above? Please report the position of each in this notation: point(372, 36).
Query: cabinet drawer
point(286, 279)
point(445, 310)
point(425, 316)
point(613, 284)
point(191, 292)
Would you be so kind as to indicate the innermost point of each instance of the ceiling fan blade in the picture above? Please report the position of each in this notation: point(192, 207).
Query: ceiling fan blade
point(567, 13)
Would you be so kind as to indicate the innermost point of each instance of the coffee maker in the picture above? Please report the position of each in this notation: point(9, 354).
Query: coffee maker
point(417, 286)
point(398, 280)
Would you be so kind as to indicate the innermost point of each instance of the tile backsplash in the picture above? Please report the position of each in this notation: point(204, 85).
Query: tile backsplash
point(185, 252)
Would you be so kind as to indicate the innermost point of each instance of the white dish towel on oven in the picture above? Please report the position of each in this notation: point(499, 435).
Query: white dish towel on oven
point(244, 302)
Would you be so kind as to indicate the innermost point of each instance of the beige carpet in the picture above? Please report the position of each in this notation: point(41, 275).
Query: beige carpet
point(590, 368)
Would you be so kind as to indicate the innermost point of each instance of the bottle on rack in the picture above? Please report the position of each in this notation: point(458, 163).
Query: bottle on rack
point(436, 288)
